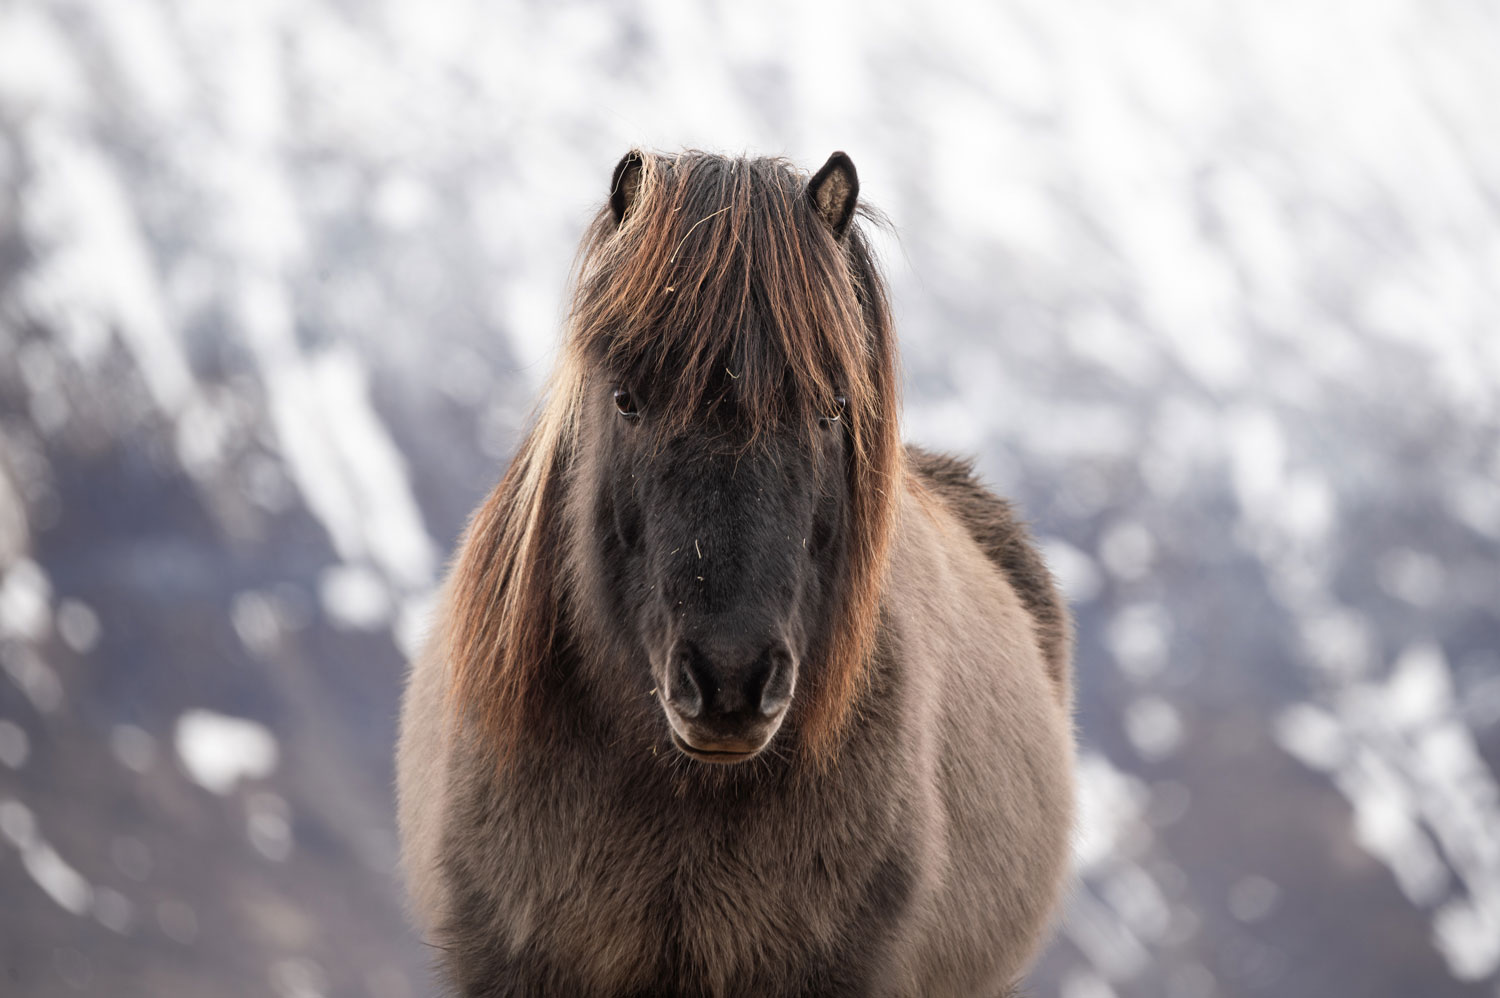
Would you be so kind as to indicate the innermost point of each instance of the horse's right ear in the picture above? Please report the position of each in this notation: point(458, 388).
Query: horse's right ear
point(626, 185)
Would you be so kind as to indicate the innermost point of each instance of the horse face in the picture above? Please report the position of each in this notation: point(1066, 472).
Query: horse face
point(721, 555)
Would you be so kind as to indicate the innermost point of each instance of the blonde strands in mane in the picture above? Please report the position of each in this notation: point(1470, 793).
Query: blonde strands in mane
point(721, 284)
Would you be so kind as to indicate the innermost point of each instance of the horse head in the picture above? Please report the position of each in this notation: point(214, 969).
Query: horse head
point(727, 414)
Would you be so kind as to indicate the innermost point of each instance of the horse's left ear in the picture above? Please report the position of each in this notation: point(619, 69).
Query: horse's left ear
point(626, 185)
point(833, 190)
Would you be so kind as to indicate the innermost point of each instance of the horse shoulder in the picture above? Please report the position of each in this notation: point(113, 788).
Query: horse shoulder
point(1002, 536)
point(965, 587)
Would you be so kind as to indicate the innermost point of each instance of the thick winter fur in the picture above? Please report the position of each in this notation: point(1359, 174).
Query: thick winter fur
point(905, 831)
point(992, 523)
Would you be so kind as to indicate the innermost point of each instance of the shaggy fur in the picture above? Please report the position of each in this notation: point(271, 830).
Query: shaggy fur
point(992, 523)
point(716, 279)
point(906, 831)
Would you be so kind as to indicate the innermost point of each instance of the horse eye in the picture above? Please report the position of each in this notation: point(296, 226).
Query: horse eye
point(840, 403)
point(625, 403)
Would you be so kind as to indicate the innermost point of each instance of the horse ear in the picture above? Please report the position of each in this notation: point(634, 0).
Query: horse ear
point(626, 184)
point(833, 190)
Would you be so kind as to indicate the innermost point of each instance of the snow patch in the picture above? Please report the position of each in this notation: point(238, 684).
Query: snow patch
point(25, 601)
point(219, 751)
point(47, 869)
point(355, 597)
point(348, 469)
point(1424, 801)
point(1110, 804)
point(37, 68)
point(97, 271)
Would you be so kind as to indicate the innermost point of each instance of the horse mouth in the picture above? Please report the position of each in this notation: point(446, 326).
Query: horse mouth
point(720, 756)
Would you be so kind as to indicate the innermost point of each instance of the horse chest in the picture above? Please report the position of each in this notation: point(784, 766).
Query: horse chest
point(676, 901)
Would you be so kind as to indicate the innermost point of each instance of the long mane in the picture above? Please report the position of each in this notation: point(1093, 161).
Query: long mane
point(723, 286)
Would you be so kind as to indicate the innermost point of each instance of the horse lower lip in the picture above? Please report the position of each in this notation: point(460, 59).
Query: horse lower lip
point(709, 755)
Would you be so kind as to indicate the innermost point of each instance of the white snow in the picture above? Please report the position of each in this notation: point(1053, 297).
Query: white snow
point(1312, 735)
point(1109, 803)
point(354, 597)
point(1120, 909)
point(53, 875)
point(37, 69)
point(1424, 801)
point(140, 37)
point(47, 869)
point(97, 271)
point(25, 601)
point(1467, 933)
point(219, 751)
point(1420, 688)
point(347, 467)
point(1259, 453)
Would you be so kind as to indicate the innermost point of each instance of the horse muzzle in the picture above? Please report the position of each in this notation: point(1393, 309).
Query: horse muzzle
point(725, 704)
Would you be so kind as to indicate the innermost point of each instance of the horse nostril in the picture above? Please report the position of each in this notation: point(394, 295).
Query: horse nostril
point(777, 691)
point(683, 691)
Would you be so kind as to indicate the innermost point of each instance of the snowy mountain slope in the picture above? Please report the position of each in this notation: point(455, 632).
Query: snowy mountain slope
point(1211, 289)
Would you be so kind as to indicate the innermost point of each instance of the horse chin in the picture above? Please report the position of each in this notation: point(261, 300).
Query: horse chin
point(721, 750)
point(720, 755)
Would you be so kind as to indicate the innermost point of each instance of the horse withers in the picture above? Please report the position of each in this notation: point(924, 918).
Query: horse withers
point(729, 693)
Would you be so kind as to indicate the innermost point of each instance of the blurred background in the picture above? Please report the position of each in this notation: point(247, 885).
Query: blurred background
point(1210, 288)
